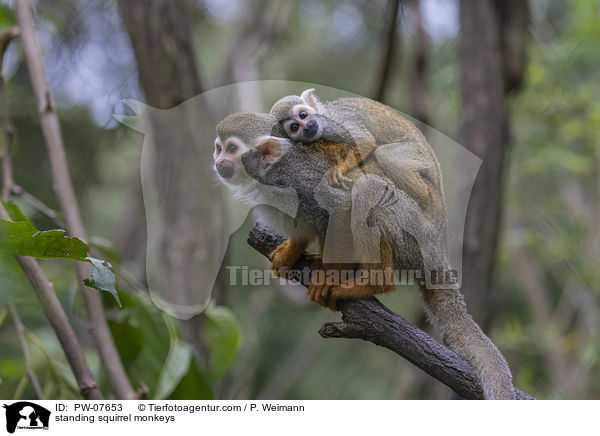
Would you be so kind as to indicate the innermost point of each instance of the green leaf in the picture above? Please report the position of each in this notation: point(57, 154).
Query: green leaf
point(150, 329)
point(129, 337)
point(59, 370)
point(175, 368)
point(20, 237)
point(3, 314)
point(193, 386)
point(7, 17)
point(103, 278)
point(154, 353)
point(224, 336)
point(15, 213)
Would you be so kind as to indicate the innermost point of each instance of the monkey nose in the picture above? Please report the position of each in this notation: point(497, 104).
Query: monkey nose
point(311, 129)
point(226, 169)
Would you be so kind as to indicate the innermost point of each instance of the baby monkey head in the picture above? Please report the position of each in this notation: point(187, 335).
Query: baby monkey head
point(299, 116)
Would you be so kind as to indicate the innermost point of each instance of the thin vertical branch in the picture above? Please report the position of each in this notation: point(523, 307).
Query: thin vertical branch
point(20, 328)
point(63, 189)
point(7, 126)
point(389, 43)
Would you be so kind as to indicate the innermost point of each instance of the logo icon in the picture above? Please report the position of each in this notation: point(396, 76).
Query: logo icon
point(26, 415)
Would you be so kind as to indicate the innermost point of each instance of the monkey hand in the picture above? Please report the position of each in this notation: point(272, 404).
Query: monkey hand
point(285, 256)
point(336, 177)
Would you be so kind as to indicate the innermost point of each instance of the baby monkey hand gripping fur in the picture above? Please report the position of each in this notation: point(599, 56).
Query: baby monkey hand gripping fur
point(366, 126)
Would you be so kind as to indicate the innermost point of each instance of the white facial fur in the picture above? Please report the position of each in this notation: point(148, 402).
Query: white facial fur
point(227, 155)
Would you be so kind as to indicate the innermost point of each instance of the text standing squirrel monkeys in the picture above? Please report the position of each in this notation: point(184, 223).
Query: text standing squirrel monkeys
point(411, 239)
point(367, 127)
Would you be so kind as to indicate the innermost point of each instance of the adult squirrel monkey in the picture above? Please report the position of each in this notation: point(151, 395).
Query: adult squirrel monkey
point(412, 234)
point(412, 237)
point(367, 127)
point(236, 134)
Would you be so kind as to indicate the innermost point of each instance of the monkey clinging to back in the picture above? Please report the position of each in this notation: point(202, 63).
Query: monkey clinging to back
point(367, 127)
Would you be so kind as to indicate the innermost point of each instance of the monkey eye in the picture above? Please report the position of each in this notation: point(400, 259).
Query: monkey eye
point(294, 127)
point(231, 148)
point(303, 114)
point(219, 149)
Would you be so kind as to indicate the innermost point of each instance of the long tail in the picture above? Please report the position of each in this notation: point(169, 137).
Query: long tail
point(447, 311)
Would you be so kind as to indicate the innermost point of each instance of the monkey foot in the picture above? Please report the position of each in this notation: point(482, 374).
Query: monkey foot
point(346, 290)
point(285, 256)
point(319, 293)
point(336, 177)
point(324, 294)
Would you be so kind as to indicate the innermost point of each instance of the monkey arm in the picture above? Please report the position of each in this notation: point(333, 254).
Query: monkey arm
point(359, 144)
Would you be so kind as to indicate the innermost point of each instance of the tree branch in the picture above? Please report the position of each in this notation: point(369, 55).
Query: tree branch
point(371, 321)
point(20, 328)
point(63, 189)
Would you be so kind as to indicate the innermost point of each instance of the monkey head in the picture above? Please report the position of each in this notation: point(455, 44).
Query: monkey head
point(260, 159)
point(299, 116)
point(237, 134)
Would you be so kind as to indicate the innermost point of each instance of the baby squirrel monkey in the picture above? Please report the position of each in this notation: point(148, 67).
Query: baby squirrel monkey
point(411, 239)
point(366, 126)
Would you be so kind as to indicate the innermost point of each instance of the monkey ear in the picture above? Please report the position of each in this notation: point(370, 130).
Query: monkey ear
point(311, 99)
point(271, 148)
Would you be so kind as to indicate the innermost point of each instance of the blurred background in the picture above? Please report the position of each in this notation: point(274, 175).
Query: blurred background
point(515, 82)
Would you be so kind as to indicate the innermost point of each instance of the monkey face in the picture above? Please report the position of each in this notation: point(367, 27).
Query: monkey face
point(227, 156)
point(303, 125)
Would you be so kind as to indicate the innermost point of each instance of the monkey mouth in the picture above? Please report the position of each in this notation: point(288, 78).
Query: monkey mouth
point(311, 129)
point(225, 171)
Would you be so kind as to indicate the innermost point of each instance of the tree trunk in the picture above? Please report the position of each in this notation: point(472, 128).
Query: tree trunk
point(418, 67)
point(389, 42)
point(161, 38)
point(486, 57)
